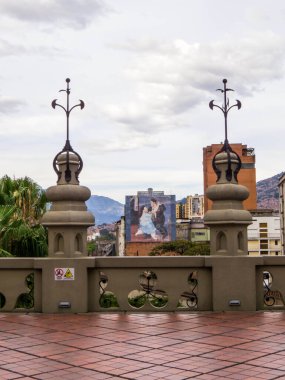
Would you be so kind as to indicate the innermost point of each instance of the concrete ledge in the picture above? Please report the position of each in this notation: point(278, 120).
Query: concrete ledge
point(151, 262)
point(17, 263)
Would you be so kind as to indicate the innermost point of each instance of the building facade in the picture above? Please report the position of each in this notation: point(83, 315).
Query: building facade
point(150, 218)
point(192, 230)
point(264, 234)
point(246, 176)
point(191, 207)
point(194, 206)
point(281, 186)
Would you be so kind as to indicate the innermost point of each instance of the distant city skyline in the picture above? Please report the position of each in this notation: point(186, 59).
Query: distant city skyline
point(146, 71)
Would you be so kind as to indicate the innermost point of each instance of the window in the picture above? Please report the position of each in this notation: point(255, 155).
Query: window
point(221, 241)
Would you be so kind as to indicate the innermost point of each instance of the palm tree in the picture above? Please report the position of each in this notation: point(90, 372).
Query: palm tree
point(22, 203)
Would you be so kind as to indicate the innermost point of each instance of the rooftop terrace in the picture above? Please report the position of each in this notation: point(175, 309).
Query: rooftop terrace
point(174, 346)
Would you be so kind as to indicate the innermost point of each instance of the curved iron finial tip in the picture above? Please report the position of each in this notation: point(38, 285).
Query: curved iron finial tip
point(230, 171)
point(226, 106)
point(67, 148)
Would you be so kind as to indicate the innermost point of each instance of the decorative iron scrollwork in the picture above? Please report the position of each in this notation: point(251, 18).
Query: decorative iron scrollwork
point(148, 292)
point(107, 299)
point(190, 297)
point(26, 300)
point(271, 297)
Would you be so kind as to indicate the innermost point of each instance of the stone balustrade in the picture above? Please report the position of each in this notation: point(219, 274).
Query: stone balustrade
point(102, 284)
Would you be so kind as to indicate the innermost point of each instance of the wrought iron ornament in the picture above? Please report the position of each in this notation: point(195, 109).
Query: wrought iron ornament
point(225, 108)
point(67, 147)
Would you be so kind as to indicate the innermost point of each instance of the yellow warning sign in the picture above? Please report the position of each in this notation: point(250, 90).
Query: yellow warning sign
point(68, 274)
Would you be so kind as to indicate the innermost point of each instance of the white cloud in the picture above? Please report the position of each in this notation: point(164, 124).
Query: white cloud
point(172, 78)
point(72, 13)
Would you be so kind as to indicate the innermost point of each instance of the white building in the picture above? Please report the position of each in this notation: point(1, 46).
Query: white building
point(264, 234)
point(281, 186)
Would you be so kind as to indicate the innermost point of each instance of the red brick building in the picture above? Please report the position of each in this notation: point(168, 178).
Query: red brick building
point(246, 176)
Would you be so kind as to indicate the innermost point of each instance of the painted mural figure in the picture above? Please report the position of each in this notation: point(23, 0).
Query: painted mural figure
point(146, 225)
point(158, 218)
point(150, 217)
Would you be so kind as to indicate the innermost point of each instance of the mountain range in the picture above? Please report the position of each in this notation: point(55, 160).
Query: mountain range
point(107, 210)
point(268, 193)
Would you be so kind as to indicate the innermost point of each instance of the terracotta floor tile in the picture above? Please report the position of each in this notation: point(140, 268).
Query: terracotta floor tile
point(154, 330)
point(161, 372)
point(199, 364)
point(7, 375)
point(34, 366)
point(262, 346)
point(222, 340)
point(11, 356)
point(157, 356)
point(117, 366)
point(185, 336)
point(181, 325)
point(150, 346)
point(80, 357)
point(274, 361)
point(74, 374)
point(86, 342)
point(46, 349)
point(120, 349)
point(192, 348)
point(18, 342)
point(122, 336)
point(155, 342)
point(234, 355)
point(58, 336)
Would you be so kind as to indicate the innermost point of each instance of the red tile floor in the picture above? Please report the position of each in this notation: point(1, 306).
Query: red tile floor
point(150, 346)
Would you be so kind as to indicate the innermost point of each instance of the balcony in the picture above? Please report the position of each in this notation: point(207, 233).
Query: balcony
point(141, 284)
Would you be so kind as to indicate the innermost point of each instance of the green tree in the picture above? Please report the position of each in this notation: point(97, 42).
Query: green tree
point(181, 247)
point(22, 203)
point(91, 247)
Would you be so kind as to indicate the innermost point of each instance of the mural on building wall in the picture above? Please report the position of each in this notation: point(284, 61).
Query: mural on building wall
point(150, 218)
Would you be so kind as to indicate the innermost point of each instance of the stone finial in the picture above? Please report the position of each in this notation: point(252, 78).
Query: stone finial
point(227, 219)
point(67, 219)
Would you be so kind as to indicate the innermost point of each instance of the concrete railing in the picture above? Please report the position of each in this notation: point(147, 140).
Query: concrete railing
point(96, 284)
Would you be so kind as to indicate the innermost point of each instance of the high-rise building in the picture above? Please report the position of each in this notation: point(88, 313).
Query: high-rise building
point(149, 220)
point(194, 206)
point(264, 234)
point(246, 176)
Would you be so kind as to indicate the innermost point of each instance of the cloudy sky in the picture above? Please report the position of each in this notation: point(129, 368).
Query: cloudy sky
point(146, 70)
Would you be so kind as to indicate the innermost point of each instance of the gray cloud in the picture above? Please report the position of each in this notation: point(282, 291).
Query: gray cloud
point(11, 49)
point(72, 13)
point(7, 48)
point(9, 105)
point(173, 78)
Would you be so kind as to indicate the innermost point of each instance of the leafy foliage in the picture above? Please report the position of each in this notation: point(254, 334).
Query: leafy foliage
point(182, 248)
point(26, 300)
point(22, 203)
point(108, 299)
point(91, 247)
